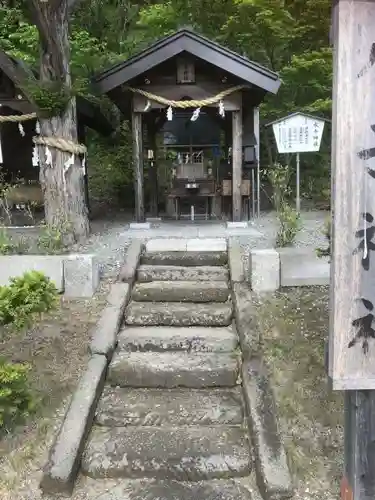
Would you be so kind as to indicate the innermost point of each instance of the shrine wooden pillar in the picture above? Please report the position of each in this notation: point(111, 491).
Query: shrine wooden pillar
point(137, 133)
point(153, 166)
point(352, 318)
point(236, 165)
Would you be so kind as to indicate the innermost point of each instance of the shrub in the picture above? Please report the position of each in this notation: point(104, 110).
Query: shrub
point(10, 247)
point(25, 298)
point(51, 240)
point(288, 217)
point(289, 221)
point(326, 252)
point(16, 400)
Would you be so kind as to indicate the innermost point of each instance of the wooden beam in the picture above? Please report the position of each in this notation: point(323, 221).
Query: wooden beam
point(236, 165)
point(20, 105)
point(138, 166)
point(352, 342)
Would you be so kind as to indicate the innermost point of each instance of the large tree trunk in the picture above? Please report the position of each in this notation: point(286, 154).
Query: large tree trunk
point(62, 184)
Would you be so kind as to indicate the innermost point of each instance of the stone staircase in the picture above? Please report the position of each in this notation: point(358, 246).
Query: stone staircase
point(171, 410)
point(172, 407)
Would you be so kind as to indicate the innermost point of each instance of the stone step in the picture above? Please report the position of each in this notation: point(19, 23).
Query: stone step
point(216, 489)
point(169, 338)
point(181, 291)
point(182, 273)
point(186, 453)
point(120, 407)
point(184, 258)
point(173, 369)
point(178, 314)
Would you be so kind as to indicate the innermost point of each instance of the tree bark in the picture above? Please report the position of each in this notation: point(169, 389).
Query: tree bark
point(62, 184)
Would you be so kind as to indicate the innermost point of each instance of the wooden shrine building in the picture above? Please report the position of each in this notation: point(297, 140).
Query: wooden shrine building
point(203, 99)
point(16, 142)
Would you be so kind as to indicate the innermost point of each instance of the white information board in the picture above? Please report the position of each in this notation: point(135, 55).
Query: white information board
point(298, 133)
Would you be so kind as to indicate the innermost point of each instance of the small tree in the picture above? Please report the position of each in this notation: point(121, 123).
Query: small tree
point(61, 172)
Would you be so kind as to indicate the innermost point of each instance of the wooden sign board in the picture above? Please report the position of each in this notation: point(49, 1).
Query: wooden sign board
point(298, 133)
point(352, 321)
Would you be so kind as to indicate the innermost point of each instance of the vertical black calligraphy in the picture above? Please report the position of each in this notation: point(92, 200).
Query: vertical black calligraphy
point(364, 327)
point(366, 245)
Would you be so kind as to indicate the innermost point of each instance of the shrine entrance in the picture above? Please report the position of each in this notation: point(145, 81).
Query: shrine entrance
point(194, 107)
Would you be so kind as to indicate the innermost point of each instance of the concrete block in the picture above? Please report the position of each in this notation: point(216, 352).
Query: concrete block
point(140, 225)
point(302, 267)
point(272, 471)
point(236, 267)
point(166, 245)
point(264, 270)
point(206, 245)
point(104, 333)
point(16, 265)
point(81, 275)
point(133, 255)
point(61, 470)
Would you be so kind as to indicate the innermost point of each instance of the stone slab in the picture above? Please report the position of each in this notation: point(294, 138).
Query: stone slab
point(241, 224)
point(62, 467)
point(140, 225)
point(246, 319)
point(16, 265)
point(166, 245)
point(173, 369)
point(206, 245)
point(81, 275)
point(104, 333)
point(128, 270)
point(236, 267)
point(302, 267)
point(217, 489)
point(182, 273)
point(181, 291)
point(169, 338)
point(120, 407)
point(273, 476)
point(264, 270)
point(178, 314)
point(185, 258)
point(187, 453)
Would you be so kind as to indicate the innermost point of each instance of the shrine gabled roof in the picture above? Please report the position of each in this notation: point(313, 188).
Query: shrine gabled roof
point(186, 40)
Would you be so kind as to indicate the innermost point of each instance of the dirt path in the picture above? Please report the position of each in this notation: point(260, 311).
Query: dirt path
point(57, 349)
point(296, 325)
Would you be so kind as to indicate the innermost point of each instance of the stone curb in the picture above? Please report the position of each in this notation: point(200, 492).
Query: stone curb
point(104, 333)
point(272, 471)
point(236, 268)
point(246, 319)
point(128, 270)
point(186, 245)
point(61, 470)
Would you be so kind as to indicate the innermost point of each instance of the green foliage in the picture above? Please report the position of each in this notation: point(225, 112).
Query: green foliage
point(8, 246)
point(16, 400)
point(326, 252)
point(26, 298)
point(111, 168)
point(289, 220)
point(51, 97)
point(288, 217)
point(51, 240)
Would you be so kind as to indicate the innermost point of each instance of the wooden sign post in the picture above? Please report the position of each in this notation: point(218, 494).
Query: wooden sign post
point(352, 321)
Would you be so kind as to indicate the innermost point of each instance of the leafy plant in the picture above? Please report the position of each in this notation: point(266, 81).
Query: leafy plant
point(27, 297)
point(326, 252)
point(16, 400)
point(288, 217)
point(51, 240)
point(10, 247)
point(289, 220)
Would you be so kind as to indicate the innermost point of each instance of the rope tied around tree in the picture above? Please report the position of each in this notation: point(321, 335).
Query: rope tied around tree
point(60, 143)
point(191, 103)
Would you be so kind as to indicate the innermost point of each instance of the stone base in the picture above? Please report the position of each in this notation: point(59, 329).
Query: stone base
point(140, 225)
point(264, 270)
point(81, 275)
